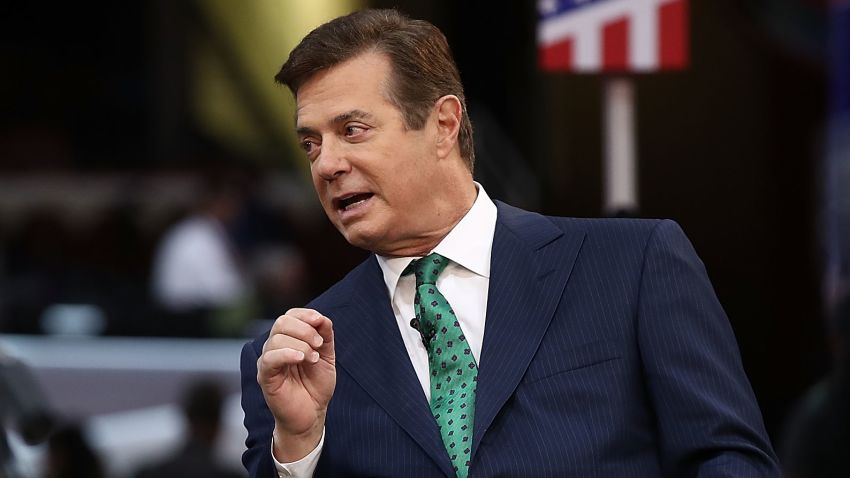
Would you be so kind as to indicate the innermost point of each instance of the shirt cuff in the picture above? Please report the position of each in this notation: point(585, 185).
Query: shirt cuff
point(302, 468)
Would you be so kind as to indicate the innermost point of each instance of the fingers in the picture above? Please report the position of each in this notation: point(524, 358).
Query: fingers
point(294, 320)
point(300, 330)
point(274, 360)
point(325, 328)
point(299, 336)
point(285, 342)
point(297, 323)
point(281, 352)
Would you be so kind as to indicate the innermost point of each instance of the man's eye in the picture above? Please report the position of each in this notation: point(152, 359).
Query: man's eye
point(308, 146)
point(352, 130)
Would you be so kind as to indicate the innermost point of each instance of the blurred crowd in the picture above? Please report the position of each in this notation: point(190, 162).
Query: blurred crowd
point(71, 455)
point(196, 253)
point(215, 250)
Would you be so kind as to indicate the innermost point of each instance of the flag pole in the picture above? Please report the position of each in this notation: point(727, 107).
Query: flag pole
point(620, 192)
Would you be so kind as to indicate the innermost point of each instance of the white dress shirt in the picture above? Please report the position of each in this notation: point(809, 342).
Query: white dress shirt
point(464, 282)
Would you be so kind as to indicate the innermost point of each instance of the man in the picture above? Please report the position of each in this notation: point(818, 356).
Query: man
point(197, 278)
point(479, 339)
point(202, 407)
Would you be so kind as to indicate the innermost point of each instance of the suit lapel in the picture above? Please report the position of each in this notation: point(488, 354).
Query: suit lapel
point(530, 265)
point(370, 349)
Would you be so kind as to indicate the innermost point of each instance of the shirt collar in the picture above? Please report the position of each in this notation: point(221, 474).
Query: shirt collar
point(468, 244)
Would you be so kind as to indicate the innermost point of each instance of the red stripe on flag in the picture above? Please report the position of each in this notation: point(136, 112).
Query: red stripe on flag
point(673, 35)
point(615, 45)
point(557, 56)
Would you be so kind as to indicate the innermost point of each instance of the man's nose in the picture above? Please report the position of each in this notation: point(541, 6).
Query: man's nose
point(332, 161)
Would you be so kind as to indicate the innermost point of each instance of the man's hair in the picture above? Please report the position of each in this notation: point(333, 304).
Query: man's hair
point(423, 69)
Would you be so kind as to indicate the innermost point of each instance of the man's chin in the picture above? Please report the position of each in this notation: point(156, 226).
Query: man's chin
point(358, 237)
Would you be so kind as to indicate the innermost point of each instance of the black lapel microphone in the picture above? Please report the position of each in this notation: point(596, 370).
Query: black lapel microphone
point(426, 336)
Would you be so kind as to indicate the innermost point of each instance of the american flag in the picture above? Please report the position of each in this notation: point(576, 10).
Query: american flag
point(588, 36)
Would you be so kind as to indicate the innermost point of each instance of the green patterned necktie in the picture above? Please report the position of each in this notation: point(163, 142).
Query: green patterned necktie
point(454, 373)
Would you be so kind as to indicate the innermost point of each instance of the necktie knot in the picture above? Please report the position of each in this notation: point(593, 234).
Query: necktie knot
point(427, 269)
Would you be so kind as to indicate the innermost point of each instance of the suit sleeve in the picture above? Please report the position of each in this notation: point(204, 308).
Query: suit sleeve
point(258, 419)
point(708, 421)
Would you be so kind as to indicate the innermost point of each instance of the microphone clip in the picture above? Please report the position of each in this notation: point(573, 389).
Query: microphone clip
point(427, 336)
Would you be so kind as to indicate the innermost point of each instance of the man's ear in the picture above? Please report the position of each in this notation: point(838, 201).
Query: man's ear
point(449, 113)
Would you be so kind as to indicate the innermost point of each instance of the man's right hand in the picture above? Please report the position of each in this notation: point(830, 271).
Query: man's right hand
point(297, 373)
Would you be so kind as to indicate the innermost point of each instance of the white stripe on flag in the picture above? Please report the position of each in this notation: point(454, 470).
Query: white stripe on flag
point(643, 35)
point(588, 46)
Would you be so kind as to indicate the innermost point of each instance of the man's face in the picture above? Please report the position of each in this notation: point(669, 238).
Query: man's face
point(374, 178)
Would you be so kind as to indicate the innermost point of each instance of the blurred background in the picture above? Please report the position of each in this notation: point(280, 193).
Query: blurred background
point(156, 212)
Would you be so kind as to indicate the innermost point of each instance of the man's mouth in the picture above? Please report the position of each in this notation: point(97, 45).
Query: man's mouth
point(352, 200)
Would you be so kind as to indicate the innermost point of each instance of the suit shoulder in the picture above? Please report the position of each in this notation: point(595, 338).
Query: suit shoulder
point(602, 226)
point(632, 237)
point(605, 232)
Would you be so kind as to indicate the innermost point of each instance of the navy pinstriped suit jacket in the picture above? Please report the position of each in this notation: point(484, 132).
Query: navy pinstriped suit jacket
point(606, 354)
